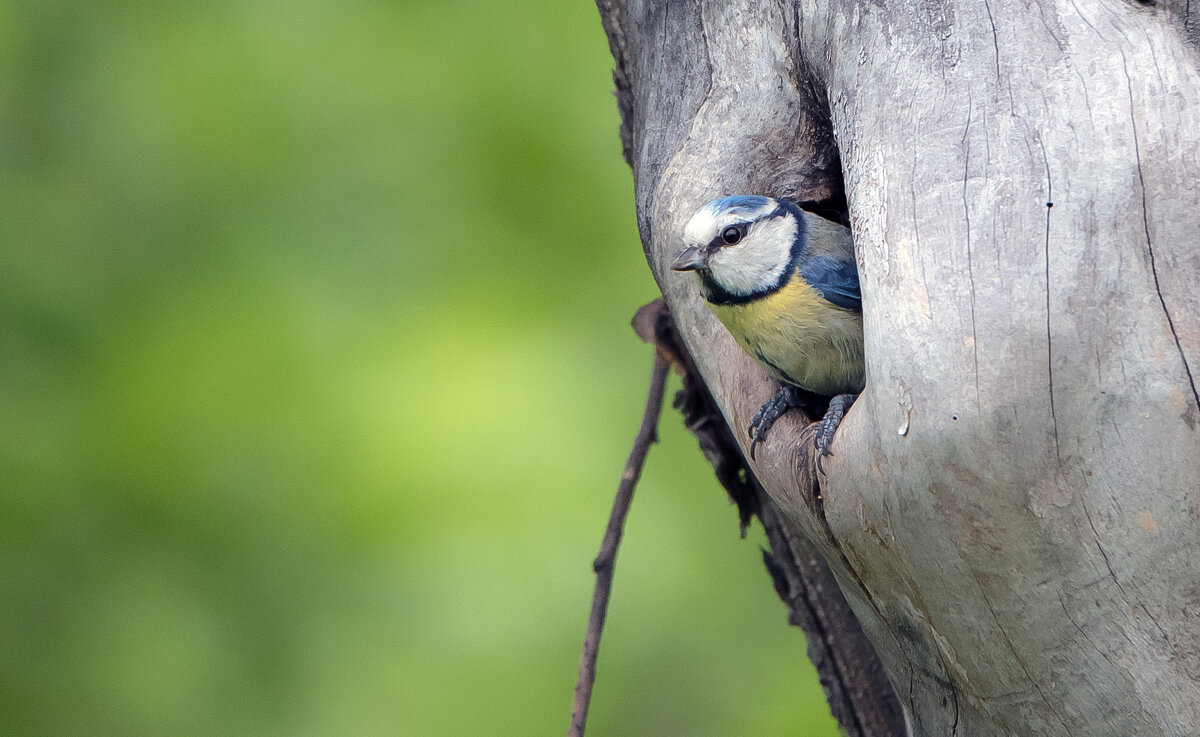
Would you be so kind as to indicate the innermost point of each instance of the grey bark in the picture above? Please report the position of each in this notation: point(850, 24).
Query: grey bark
point(1013, 510)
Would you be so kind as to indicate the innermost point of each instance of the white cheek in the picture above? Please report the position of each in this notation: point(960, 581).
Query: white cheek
point(742, 271)
point(759, 261)
point(777, 236)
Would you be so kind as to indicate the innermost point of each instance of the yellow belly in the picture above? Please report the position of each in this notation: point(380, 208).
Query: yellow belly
point(801, 338)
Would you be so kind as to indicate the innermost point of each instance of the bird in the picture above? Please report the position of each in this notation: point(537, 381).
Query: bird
point(784, 282)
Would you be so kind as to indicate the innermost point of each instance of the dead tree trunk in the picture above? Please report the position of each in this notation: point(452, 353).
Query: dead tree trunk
point(1013, 510)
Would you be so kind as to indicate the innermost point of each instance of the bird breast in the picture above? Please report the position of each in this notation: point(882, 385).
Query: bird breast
point(801, 338)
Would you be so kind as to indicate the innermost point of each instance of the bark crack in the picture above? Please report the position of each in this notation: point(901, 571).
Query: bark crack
point(970, 266)
point(912, 189)
point(1016, 655)
point(947, 682)
point(1049, 333)
point(1087, 100)
point(1073, 621)
point(953, 689)
point(1049, 30)
point(995, 40)
point(1149, 241)
point(1113, 574)
point(1087, 22)
point(954, 727)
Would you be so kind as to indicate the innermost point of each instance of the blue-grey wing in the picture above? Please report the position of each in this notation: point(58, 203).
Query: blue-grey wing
point(836, 281)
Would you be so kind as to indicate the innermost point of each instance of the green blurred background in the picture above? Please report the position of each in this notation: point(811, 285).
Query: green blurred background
point(316, 381)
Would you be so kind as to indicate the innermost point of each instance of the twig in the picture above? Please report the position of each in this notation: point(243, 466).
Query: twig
point(606, 560)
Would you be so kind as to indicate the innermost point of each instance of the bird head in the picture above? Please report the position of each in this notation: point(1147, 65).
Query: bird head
point(741, 246)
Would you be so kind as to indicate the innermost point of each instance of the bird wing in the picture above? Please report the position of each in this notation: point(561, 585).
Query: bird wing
point(836, 281)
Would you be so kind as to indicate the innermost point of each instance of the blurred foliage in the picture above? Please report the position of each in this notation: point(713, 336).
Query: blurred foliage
point(316, 380)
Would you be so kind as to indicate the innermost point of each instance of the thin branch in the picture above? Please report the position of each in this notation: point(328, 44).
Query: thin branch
point(606, 561)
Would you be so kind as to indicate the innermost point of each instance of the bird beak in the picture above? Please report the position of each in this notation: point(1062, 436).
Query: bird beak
point(690, 260)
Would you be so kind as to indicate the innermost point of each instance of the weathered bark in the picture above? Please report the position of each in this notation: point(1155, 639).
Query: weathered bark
point(1012, 510)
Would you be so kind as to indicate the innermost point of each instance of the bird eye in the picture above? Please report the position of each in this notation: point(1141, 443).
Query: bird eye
point(731, 235)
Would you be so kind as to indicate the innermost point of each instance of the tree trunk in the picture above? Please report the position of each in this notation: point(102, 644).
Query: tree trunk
point(1013, 510)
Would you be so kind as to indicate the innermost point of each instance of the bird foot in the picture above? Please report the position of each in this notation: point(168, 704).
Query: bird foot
point(774, 408)
point(828, 425)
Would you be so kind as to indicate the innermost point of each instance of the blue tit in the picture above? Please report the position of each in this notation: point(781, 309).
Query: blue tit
point(785, 284)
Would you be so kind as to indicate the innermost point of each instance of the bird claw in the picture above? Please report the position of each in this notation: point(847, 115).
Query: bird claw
point(771, 410)
point(828, 425)
point(787, 398)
